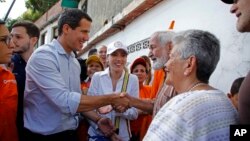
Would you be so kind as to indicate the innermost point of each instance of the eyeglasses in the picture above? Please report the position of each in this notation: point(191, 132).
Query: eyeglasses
point(5, 39)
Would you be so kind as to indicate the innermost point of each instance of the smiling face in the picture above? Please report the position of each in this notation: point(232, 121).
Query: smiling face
point(75, 38)
point(140, 71)
point(157, 53)
point(6, 46)
point(242, 11)
point(117, 60)
point(93, 67)
point(103, 54)
point(175, 68)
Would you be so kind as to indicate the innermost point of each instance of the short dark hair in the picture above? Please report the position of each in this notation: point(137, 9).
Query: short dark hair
point(2, 22)
point(236, 85)
point(92, 51)
point(72, 17)
point(31, 29)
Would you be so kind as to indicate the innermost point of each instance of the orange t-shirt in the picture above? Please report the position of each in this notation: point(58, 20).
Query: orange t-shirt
point(8, 106)
point(141, 124)
point(82, 130)
point(157, 82)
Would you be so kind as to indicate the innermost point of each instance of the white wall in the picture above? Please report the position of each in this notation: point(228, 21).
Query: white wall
point(210, 15)
point(48, 30)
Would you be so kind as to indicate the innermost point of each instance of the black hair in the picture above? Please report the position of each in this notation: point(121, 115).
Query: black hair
point(71, 17)
point(92, 51)
point(236, 85)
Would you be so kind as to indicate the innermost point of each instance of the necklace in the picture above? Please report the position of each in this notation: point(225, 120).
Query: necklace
point(196, 85)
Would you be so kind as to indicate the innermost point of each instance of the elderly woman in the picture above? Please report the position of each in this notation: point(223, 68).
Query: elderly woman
point(112, 79)
point(199, 112)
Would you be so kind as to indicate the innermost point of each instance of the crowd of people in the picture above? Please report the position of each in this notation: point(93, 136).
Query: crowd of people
point(49, 94)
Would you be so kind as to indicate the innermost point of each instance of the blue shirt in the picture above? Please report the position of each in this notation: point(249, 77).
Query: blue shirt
point(52, 92)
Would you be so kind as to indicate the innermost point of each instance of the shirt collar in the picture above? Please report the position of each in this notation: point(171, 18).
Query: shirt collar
point(106, 72)
point(60, 48)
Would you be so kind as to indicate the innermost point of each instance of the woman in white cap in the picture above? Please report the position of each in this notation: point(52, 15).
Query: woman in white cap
point(114, 79)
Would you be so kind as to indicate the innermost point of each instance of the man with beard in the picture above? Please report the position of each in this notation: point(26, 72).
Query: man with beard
point(25, 36)
point(159, 48)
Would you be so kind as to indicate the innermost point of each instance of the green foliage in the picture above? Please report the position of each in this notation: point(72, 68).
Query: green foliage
point(40, 6)
point(31, 15)
point(36, 8)
point(10, 22)
point(2, 0)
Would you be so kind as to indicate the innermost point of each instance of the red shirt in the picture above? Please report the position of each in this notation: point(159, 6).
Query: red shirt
point(8, 106)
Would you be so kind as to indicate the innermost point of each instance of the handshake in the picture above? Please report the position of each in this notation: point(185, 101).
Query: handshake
point(119, 102)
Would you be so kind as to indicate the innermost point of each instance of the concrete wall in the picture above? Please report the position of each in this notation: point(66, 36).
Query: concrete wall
point(212, 15)
point(102, 11)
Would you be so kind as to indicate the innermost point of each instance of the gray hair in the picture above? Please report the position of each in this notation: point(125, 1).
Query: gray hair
point(163, 37)
point(204, 46)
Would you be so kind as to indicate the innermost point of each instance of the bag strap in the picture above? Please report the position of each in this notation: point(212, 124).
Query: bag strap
point(124, 88)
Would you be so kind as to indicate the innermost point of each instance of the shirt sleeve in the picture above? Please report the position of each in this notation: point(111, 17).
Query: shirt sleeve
point(43, 70)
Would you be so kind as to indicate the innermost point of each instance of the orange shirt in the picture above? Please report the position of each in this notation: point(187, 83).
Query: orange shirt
point(82, 130)
point(8, 106)
point(157, 82)
point(141, 124)
point(85, 87)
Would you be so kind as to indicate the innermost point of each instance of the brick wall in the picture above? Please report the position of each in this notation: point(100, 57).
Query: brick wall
point(49, 15)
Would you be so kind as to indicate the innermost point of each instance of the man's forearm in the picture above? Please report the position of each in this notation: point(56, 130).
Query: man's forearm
point(142, 104)
point(92, 115)
point(89, 103)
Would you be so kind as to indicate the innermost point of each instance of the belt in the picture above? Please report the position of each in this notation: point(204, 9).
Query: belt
point(68, 135)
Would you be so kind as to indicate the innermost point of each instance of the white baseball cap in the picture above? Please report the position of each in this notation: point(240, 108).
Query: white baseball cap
point(112, 47)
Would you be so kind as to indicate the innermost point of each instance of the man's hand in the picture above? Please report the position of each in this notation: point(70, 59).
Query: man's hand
point(121, 103)
point(106, 126)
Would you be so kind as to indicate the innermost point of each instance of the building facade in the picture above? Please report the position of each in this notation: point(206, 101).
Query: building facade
point(133, 21)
